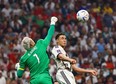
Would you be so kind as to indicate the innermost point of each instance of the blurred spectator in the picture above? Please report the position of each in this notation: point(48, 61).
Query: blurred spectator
point(7, 10)
point(33, 33)
point(108, 21)
point(49, 5)
point(24, 32)
point(23, 18)
point(86, 63)
point(107, 9)
point(95, 8)
point(110, 80)
point(85, 52)
point(101, 45)
point(110, 57)
point(111, 45)
point(104, 70)
point(16, 10)
point(2, 78)
point(44, 32)
point(27, 6)
point(16, 24)
point(40, 21)
point(91, 79)
point(4, 70)
point(2, 5)
point(95, 52)
point(106, 34)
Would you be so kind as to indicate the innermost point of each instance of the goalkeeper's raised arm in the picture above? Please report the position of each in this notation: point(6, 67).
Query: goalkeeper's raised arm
point(36, 57)
point(51, 30)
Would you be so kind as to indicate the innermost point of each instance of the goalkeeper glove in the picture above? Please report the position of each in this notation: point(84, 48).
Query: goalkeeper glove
point(17, 66)
point(53, 20)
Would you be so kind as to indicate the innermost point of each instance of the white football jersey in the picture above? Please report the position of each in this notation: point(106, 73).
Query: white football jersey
point(60, 64)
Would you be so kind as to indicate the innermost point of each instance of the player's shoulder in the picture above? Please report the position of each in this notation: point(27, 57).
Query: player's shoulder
point(39, 41)
point(56, 47)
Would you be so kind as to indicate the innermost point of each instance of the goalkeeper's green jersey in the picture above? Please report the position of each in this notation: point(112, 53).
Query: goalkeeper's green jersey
point(36, 59)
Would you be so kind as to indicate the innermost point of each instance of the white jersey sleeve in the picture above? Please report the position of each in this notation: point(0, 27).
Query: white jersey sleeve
point(56, 51)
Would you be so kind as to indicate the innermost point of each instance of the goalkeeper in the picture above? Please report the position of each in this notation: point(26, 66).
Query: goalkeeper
point(36, 58)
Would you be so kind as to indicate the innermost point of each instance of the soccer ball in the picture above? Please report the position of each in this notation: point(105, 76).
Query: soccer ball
point(82, 15)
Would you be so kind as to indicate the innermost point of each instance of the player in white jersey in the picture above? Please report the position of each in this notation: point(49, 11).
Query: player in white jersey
point(65, 64)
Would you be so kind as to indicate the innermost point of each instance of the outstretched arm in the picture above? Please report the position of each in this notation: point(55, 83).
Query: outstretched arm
point(77, 69)
point(65, 58)
point(50, 31)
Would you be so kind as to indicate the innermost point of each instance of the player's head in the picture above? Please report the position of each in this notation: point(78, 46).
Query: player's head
point(27, 43)
point(61, 39)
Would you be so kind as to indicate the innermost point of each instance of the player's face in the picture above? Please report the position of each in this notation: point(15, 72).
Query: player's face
point(62, 40)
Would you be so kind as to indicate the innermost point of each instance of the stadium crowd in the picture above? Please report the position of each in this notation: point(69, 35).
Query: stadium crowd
point(92, 44)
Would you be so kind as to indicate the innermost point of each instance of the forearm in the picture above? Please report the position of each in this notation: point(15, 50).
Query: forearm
point(77, 69)
point(49, 34)
point(51, 31)
point(20, 71)
point(64, 58)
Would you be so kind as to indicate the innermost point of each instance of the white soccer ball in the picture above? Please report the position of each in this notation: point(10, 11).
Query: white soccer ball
point(82, 15)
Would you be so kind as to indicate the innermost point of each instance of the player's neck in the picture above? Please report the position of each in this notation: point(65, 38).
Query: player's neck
point(62, 46)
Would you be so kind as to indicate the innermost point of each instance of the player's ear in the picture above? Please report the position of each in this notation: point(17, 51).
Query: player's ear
point(56, 40)
point(32, 43)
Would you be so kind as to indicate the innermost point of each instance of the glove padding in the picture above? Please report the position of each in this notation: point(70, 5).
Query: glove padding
point(17, 66)
point(53, 20)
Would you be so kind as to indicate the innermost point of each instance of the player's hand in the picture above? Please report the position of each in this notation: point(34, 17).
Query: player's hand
point(54, 20)
point(94, 72)
point(17, 66)
point(72, 61)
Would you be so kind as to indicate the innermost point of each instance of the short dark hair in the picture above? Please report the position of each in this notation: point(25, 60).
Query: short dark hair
point(58, 35)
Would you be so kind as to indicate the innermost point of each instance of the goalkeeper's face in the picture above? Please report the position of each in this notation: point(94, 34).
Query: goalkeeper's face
point(62, 41)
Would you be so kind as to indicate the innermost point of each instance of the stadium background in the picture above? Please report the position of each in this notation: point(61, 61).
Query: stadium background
point(92, 44)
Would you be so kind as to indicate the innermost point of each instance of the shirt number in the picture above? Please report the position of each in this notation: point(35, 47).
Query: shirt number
point(35, 55)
